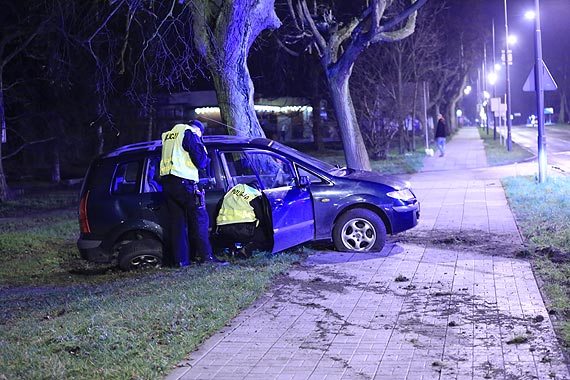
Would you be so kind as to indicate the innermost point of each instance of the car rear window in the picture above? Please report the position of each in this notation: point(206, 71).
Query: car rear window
point(126, 179)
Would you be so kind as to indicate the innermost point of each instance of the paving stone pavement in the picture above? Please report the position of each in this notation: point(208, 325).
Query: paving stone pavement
point(413, 311)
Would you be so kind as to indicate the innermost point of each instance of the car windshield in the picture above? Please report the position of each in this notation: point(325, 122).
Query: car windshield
point(321, 165)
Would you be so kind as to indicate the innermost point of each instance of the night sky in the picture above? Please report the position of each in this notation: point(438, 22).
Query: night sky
point(555, 28)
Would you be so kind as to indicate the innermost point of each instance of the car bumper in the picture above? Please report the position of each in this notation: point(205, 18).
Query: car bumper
point(405, 217)
point(91, 250)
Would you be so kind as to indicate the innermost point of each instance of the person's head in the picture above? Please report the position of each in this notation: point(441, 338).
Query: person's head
point(439, 116)
point(198, 127)
point(253, 184)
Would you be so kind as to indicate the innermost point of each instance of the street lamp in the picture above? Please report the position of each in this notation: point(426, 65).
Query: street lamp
point(508, 79)
point(492, 77)
point(539, 89)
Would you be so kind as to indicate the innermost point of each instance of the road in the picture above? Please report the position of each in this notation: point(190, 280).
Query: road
point(557, 143)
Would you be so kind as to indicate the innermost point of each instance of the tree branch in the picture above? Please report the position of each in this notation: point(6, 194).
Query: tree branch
point(26, 145)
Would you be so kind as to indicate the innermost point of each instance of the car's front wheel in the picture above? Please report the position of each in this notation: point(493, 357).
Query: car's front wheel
point(359, 230)
point(140, 254)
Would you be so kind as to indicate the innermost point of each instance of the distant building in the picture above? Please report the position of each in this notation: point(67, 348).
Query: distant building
point(282, 119)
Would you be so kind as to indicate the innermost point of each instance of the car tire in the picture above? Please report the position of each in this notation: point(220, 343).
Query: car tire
point(140, 254)
point(359, 230)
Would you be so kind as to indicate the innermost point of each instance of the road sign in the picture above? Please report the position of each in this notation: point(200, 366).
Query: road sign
point(509, 56)
point(495, 104)
point(548, 83)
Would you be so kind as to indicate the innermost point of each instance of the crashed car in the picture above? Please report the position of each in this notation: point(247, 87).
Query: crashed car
point(122, 211)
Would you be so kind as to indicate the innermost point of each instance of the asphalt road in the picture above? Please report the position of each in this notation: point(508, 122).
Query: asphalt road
point(557, 143)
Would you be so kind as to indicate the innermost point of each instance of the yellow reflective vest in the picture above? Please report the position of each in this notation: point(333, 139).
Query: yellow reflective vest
point(235, 206)
point(175, 160)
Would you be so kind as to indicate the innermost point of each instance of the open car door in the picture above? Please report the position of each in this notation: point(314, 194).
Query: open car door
point(290, 204)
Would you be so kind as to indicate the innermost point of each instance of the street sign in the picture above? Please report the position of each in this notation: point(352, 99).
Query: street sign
point(495, 104)
point(509, 56)
point(548, 83)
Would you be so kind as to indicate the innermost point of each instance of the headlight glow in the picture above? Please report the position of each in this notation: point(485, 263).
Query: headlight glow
point(404, 194)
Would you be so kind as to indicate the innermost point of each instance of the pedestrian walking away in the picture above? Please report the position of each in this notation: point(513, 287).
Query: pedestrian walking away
point(441, 134)
point(183, 154)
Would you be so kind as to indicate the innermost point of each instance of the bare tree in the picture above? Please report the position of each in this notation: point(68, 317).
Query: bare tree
point(389, 88)
point(339, 42)
point(16, 37)
point(138, 47)
point(458, 56)
point(223, 33)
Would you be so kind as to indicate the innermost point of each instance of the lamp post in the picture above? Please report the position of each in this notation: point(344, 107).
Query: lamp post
point(539, 89)
point(508, 79)
point(484, 81)
point(494, 80)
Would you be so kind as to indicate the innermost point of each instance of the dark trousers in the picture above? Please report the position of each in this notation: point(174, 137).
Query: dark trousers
point(228, 235)
point(189, 222)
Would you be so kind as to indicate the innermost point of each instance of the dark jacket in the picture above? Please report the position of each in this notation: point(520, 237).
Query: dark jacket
point(441, 129)
point(194, 146)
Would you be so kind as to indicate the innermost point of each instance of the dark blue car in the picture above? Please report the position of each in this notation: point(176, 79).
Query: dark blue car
point(122, 210)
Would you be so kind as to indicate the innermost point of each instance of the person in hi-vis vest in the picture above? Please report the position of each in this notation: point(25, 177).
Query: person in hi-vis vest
point(240, 221)
point(183, 154)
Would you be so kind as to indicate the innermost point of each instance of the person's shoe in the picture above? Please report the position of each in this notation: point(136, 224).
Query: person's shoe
point(214, 260)
point(241, 253)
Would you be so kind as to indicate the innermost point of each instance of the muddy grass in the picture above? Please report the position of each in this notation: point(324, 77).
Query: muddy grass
point(482, 242)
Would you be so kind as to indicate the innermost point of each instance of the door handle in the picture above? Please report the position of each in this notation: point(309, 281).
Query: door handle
point(153, 206)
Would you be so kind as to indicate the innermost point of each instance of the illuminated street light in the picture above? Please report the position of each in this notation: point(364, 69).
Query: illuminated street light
point(512, 40)
point(467, 90)
point(492, 78)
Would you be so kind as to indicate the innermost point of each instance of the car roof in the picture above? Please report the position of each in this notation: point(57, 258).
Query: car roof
point(209, 141)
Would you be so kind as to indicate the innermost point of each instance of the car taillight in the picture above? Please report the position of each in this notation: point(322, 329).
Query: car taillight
point(83, 220)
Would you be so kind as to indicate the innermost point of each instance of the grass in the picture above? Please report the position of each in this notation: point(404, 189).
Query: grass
point(63, 319)
point(410, 162)
point(37, 201)
point(543, 216)
point(542, 212)
point(498, 154)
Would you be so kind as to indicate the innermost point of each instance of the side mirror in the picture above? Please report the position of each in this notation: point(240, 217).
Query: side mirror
point(304, 181)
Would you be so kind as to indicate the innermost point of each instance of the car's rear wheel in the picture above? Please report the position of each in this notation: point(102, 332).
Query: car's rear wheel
point(140, 254)
point(359, 230)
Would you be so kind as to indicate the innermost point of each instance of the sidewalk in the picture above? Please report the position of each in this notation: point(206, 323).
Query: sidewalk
point(453, 315)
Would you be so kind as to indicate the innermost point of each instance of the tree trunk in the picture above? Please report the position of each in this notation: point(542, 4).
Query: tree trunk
point(452, 125)
point(3, 184)
point(234, 91)
point(317, 123)
point(354, 148)
point(562, 108)
point(399, 99)
point(223, 34)
point(56, 165)
point(150, 124)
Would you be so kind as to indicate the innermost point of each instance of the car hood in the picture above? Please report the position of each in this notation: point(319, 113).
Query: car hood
point(369, 176)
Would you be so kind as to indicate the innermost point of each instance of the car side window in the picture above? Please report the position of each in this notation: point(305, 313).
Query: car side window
point(126, 178)
point(239, 168)
point(313, 178)
point(268, 170)
point(152, 176)
point(273, 171)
